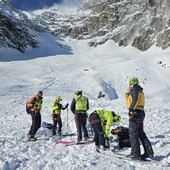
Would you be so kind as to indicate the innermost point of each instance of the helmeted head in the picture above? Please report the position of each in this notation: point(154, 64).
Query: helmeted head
point(58, 99)
point(78, 92)
point(133, 81)
point(39, 95)
point(116, 117)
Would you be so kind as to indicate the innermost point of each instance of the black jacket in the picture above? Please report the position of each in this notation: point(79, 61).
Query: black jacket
point(134, 93)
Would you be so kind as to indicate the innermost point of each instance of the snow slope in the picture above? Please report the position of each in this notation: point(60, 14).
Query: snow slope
point(62, 70)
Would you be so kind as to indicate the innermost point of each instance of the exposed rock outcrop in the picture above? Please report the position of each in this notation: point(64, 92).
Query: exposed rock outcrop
point(141, 23)
point(17, 30)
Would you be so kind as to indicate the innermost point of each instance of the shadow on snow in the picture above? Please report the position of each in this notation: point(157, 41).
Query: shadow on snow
point(48, 46)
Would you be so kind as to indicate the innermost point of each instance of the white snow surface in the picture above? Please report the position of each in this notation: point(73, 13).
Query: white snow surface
point(64, 67)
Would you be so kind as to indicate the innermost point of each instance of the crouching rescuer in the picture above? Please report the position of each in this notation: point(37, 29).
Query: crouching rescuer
point(101, 122)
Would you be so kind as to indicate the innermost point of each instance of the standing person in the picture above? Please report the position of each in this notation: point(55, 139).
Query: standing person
point(34, 106)
point(56, 115)
point(101, 121)
point(135, 102)
point(79, 107)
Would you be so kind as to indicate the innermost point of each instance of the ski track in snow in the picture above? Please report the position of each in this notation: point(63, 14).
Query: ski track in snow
point(90, 70)
point(48, 155)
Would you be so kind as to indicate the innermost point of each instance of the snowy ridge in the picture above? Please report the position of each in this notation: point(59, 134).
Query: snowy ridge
point(20, 30)
point(61, 66)
point(141, 24)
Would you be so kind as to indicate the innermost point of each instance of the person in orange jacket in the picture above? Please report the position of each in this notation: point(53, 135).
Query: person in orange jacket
point(34, 106)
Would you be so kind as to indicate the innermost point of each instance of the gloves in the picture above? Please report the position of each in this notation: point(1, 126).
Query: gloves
point(66, 105)
point(107, 142)
point(132, 113)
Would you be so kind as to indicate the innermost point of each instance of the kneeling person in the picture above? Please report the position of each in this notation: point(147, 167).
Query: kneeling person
point(122, 135)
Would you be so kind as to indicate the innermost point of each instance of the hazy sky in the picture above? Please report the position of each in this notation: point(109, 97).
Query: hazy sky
point(38, 4)
point(33, 4)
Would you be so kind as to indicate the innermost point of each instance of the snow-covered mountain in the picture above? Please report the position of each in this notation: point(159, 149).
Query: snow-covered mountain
point(19, 30)
point(61, 66)
point(139, 23)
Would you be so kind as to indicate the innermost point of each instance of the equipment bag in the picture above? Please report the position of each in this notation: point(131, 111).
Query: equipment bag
point(47, 125)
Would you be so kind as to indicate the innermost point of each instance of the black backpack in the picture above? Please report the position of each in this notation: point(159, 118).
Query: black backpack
point(28, 110)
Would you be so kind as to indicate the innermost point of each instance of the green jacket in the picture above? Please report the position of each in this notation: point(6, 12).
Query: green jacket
point(57, 107)
point(79, 104)
point(106, 118)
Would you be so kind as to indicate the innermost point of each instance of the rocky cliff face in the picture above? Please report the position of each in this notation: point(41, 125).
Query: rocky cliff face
point(17, 30)
point(141, 23)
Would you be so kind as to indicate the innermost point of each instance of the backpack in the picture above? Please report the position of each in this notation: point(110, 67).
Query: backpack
point(47, 125)
point(28, 110)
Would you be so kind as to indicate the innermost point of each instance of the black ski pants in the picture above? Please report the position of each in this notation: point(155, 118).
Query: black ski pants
point(136, 132)
point(95, 123)
point(81, 121)
point(36, 122)
point(57, 120)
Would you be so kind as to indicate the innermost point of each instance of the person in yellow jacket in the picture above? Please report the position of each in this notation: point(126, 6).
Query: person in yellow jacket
point(33, 107)
point(135, 101)
point(56, 115)
point(79, 107)
point(101, 122)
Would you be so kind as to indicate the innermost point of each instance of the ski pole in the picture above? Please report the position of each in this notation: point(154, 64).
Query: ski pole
point(67, 120)
point(68, 123)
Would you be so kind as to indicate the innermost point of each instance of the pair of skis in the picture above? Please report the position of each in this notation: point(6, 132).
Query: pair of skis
point(56, 137)
point(70, 143)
